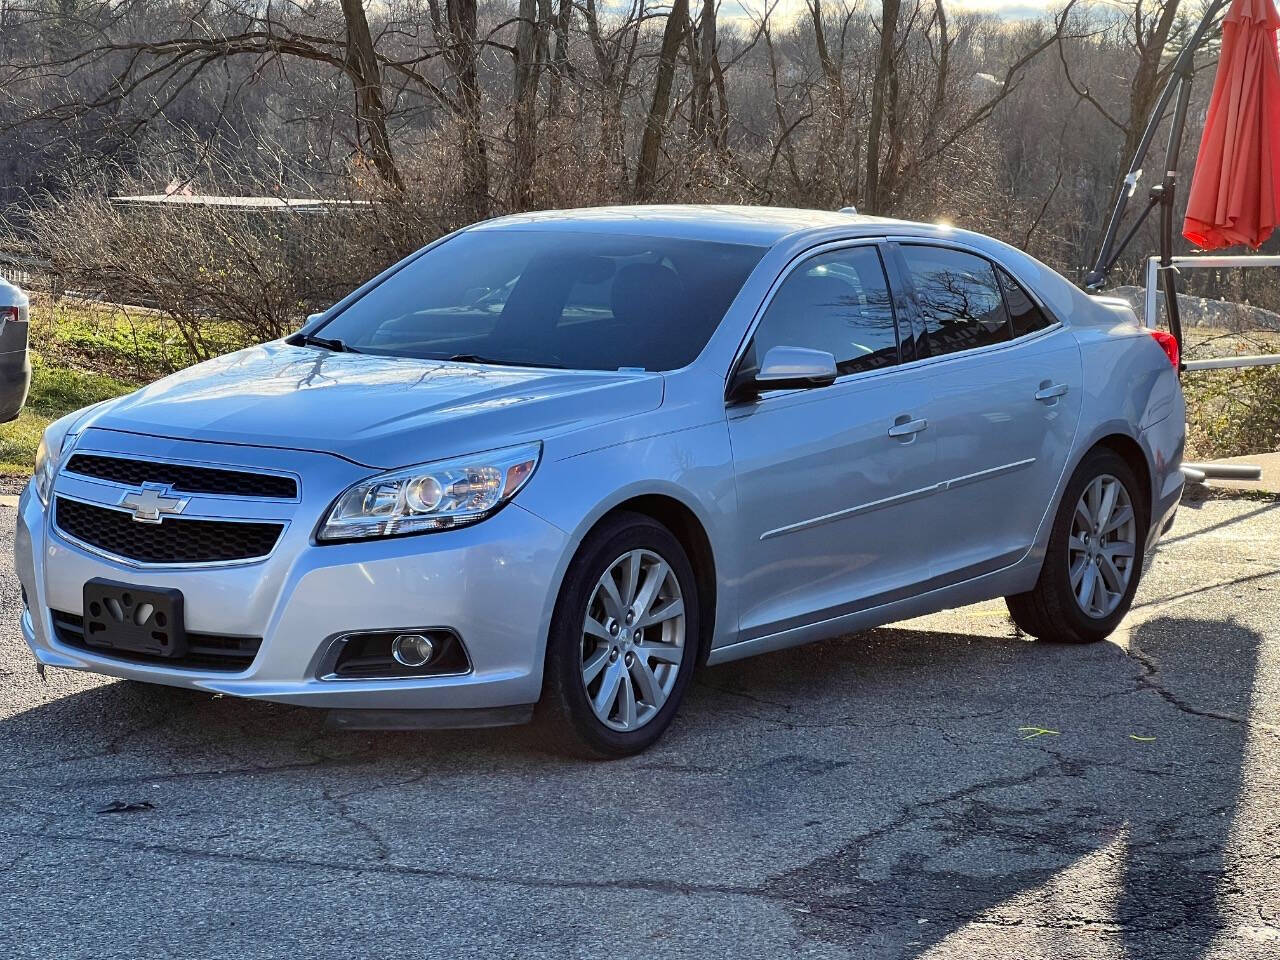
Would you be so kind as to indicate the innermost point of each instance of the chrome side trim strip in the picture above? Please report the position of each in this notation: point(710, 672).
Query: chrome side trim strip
point(988, 473)
point(851, 511)
point(897, 498)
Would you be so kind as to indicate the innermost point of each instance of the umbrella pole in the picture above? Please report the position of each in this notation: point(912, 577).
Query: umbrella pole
point(1183, 67)
point(1167, 195)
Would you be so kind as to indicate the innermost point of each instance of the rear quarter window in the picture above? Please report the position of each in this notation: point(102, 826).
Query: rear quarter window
point(1024, 316)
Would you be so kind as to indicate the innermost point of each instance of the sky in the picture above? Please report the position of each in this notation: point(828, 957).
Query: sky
point(1008, 9)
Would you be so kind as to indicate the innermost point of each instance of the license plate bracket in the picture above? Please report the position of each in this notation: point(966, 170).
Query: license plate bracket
point(132, 619)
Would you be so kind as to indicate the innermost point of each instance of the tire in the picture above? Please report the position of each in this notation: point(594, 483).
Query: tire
point(576, 644)
point(1053, 609)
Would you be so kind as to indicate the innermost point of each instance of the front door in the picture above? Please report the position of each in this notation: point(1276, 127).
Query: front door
point(829, 478)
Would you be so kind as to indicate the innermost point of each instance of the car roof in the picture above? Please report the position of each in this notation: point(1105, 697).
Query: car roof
point(11, 295)
point(760, 226)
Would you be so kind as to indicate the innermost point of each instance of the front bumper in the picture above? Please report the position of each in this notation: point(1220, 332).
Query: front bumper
point(492, 583)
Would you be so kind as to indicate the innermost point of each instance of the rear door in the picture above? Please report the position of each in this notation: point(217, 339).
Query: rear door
point(828, 496)
point(1005, 383)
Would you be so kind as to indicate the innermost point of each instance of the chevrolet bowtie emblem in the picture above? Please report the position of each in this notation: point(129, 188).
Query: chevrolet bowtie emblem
point(152, 503)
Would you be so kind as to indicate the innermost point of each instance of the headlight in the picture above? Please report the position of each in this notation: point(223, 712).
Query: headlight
point(54, 445)
point(433, 496)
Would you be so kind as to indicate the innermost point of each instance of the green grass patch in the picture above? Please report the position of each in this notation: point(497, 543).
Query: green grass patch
point(55, 391)
point(124, 343)
point(85, 352)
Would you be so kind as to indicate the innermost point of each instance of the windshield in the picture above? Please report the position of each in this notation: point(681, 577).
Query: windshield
point(585, 301)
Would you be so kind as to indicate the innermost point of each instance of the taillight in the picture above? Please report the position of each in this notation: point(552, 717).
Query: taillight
point(8, 313)
point(1169, 344)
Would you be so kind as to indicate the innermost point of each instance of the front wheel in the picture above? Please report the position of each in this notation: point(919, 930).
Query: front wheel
point(1094, 557)
point(623, 639)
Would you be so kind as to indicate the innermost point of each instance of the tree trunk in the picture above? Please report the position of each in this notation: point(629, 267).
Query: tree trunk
point(559, 56)
point(702, 52)
point(475, 154)
point(831, 154)
point(722, 100)
point(524, 101)
point(871, 196)
point(655, 122)
point(1147, 78)
point(366, 77)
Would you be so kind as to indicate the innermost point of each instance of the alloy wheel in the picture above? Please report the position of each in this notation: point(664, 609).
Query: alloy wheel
point(633, 640)
point(1102, 548)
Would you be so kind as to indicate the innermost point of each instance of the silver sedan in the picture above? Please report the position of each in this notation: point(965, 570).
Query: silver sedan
point(553, 464)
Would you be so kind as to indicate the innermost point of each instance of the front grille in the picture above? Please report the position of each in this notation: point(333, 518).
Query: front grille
point(173, 540)
point(183, 479)
point(205, 651)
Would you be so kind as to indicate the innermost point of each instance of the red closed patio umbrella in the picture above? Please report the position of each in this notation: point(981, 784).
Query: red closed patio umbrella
point(1235, 192)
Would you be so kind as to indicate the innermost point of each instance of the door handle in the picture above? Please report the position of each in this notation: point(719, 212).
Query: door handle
point(902, 427)
point(1049, 392)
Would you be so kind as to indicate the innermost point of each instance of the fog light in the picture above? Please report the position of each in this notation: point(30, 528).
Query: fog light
point(412, 649)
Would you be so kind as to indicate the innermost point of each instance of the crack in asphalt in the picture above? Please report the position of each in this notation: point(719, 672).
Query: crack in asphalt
point(1147, 680)
point(770, 890)
point(309, 863)
point(186, 775)
point(344, 812)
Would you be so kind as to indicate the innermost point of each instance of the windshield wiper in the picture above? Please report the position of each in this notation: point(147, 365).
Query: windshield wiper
point(329, 343)
point(496, 362)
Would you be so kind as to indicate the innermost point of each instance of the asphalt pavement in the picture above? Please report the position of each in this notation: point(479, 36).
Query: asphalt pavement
point(939, 788)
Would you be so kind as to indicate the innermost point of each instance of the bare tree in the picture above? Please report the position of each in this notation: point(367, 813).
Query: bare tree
point(655, 121)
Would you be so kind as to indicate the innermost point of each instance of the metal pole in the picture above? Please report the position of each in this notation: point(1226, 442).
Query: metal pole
point(1168, 192)
point(1151, 290)
point(1221, 471)
point(1097, 277)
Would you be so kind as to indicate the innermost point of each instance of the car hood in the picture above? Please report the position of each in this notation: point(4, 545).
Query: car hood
point(377, 411)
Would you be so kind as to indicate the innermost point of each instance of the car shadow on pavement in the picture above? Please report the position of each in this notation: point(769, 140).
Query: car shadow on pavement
point(888, 791)
point(1120, 828)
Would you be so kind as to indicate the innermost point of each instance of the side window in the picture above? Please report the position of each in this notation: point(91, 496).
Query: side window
point(1023, 312)
point(838, 302)
point(959, 298)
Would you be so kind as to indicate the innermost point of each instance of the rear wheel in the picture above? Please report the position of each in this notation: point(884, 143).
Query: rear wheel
point(1094, 557)
point(623, 639)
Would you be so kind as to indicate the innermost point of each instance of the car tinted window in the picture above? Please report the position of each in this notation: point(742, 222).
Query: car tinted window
point(959, 298)
point(838, 302)
point(1025, 316)
point(594, 301)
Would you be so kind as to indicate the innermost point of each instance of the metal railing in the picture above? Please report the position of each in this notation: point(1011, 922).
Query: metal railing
point(1155, 294)
point(23, 271)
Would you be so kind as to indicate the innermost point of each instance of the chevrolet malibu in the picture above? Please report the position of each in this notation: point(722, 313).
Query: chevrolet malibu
point(555, 463)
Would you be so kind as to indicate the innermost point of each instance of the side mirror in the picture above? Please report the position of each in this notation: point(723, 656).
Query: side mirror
point(795, 368)
point(312, 318)
point(785, 368)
